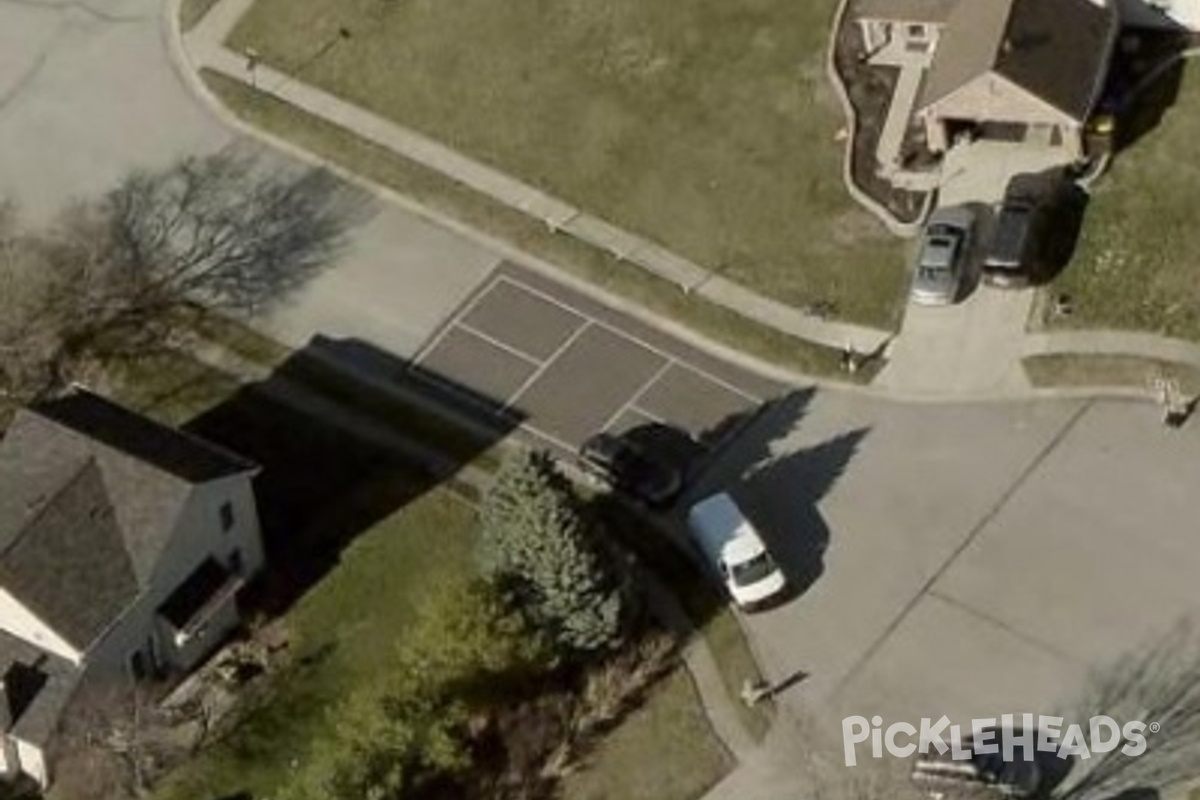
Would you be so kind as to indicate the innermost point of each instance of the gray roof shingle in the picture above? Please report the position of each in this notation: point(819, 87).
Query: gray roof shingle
point(90, 493)
point(37, 686)
point(1054, 49)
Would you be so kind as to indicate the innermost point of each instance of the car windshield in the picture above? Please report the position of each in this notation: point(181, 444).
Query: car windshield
point(752, 571)
point(939, 251)
point(933, 274)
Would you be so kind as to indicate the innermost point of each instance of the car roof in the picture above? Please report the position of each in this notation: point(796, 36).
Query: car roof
point(720, 515)
point(958, 216)
point(603, 443)
point(742, 548)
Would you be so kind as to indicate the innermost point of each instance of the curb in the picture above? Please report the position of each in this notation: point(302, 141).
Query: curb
point(185, 68)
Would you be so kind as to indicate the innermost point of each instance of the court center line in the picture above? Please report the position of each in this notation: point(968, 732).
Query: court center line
point(497, 343)
point(467, 308)
point(629, 337)
point(541, 369)
point(633, 398)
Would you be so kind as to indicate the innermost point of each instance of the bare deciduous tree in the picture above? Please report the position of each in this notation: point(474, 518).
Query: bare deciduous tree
point(1157, 684)
point(226, 231)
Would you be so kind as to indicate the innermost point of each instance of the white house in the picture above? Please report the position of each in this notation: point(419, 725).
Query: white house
point(123, 544)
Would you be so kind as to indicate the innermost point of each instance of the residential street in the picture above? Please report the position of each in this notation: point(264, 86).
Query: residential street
point(966, 560)
point(90, 92)
point(948, 558)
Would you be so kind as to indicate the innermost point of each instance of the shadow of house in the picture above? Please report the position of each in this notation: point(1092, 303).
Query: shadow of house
point(346, 435)
point(1143, 80)
point(1065, 213)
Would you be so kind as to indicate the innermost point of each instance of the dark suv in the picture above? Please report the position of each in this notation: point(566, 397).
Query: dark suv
point(629, 468)
point(1012, 257)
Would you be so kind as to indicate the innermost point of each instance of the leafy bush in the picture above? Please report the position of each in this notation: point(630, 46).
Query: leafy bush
point(390, 739)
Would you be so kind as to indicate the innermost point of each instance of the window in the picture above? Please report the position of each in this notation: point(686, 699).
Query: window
point(235, 562)
point(916, 31)
point(226, 516)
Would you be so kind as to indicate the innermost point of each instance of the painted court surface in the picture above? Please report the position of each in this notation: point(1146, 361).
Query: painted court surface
point(569, 366)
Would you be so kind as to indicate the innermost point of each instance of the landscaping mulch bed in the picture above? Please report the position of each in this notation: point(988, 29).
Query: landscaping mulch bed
point(870, 91)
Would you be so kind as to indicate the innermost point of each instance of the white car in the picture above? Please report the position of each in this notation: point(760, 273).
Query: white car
point(733, 547)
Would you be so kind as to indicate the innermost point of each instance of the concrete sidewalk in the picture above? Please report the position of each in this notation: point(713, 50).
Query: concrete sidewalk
point(204, 47)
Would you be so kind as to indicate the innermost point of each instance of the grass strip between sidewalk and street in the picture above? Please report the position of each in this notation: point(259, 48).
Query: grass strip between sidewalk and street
point(1096, 370)
point(192, 11)
point(445, 196)
point(707, 127)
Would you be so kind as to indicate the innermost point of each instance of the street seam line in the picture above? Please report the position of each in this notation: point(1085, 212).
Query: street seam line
point(967, 541)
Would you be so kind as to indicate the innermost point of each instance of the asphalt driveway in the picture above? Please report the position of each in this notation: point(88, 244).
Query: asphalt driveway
point(569, 366)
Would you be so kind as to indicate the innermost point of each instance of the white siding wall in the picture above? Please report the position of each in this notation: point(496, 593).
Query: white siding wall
point(33, 762)
point(21, 622)
point(198, 535)
point(1154, 13)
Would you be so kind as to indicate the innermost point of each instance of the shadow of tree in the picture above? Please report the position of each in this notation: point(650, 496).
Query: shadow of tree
point(1157, 684)
point(783, 495)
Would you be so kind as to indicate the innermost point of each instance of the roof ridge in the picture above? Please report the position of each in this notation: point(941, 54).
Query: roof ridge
point(239, 462)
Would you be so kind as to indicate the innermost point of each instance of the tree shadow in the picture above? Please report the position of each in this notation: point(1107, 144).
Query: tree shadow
point(749, 439)
point(777, 492)
point(782, 496)
point(345, 435)
point(1157, 684)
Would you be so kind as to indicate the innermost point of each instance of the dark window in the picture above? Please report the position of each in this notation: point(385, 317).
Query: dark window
point(226, 516)
point(235, 562)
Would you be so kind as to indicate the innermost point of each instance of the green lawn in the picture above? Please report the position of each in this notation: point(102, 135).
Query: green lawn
point(480, 212)
point(705, 125)
point(1079, 369)
point(737, 665)
point(169, 385)
point(348, 625)
point(663, 751)
point(1138, 261)
point(192, 11)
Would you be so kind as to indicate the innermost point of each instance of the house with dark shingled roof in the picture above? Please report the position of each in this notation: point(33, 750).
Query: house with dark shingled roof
point(123, 547)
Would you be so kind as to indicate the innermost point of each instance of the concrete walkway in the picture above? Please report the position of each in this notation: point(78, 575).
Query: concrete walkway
point(203, 47)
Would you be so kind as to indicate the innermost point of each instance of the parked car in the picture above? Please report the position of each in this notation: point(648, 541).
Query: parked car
point(1012, 255)
point(942, 259)
point(631, 469)
point(1019, 778)
point(732, 547)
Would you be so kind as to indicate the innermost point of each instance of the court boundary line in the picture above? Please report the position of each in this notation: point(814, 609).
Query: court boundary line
point(483, 291)
point(631, 402)
point(548, 362)
point(629, 337)
point(471, 330)
point(505, 410)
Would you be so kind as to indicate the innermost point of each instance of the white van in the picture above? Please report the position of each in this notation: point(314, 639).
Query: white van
point(731, 544)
